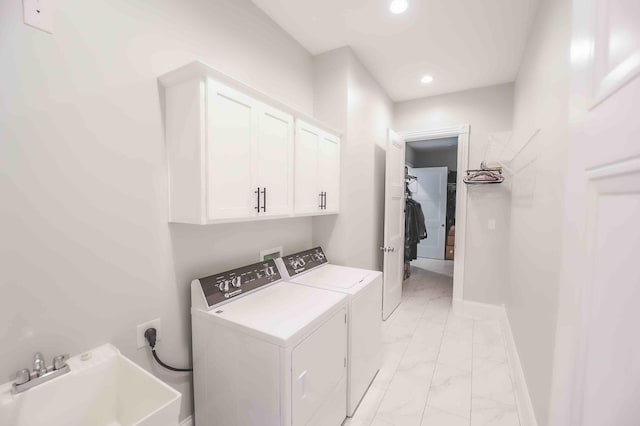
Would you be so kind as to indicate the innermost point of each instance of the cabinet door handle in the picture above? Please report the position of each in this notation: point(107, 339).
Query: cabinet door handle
point(321, 201)
point(264, 199)
point(257, 192)
point(325, 200)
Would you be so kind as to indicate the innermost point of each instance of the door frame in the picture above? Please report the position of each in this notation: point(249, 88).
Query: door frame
point(462, 133)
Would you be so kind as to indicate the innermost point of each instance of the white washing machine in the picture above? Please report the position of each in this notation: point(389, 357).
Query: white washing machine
point(267, 352)
point(364, 290)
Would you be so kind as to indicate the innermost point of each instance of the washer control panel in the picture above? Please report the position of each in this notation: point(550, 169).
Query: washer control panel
point(298, 263)
point(225, 285)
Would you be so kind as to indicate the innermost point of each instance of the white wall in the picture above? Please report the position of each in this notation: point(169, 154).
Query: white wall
point(353, 237)
point(410, 155)
point(86, 252)
point(541, 102)
point(486, 110)
point(437, 157)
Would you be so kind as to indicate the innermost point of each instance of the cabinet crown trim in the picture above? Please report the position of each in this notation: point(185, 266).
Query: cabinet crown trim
point(201, 70)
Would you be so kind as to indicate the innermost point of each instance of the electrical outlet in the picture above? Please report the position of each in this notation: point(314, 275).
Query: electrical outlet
point(142, 342)
point(38, 14)
point(272, 253)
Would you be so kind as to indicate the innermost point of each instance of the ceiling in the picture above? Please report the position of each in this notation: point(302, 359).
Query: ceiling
point(442, 143)
point(461, 43)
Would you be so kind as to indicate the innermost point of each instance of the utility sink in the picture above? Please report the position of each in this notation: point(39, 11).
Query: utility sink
point(103, 388)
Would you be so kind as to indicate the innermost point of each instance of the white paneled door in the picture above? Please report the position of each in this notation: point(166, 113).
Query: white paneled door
point(317, 170)
point(307, 196)
point(393, 245)
point(431, 193)
point(598, 355)
point(273, 165)
point(329, 171)
point(231, 139)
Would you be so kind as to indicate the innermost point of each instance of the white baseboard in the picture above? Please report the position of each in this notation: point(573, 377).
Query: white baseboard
point(484, 310)
point(523, 399)
point(477, 309)
point(187, 422)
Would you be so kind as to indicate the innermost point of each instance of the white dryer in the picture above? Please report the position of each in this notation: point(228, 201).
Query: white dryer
point(364, 290)
point(267, 352)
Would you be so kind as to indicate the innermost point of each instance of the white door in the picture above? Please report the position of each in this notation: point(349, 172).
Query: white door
point(231, 139)
point(318, 366)
point(598, 349)
point(329, 172)
point(393, 246)
point(307, 194)
point(431, 193)
point(274, 162)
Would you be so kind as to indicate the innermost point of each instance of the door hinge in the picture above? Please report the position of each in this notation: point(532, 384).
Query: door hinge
point(345, 318)
point(345, 362)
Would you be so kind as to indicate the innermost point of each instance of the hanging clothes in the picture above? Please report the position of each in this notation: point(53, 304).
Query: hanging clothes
point(415, 228)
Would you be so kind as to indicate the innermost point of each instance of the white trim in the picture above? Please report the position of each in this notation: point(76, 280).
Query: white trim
point(523, 399)
point(442, 132)
point(521, 391)
point(462, 132)
point(187, 422)
point(202, 70)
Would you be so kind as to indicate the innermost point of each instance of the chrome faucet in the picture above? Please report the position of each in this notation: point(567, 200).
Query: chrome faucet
point(39, 367)
point(25, 379)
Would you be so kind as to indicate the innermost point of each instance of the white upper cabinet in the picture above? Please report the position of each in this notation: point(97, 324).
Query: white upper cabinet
point(249, 157)
point(308, 197)
point(274, 161)
point(317, 166)
point(231, 150)
point(232, 153)
point(329, 172)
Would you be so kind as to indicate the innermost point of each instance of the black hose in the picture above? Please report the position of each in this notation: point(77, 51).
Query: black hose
point(168, 367)
point(150, 336)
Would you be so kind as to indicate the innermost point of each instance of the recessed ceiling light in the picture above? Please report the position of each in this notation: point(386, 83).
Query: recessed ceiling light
point(398, 6)
point(426, 79)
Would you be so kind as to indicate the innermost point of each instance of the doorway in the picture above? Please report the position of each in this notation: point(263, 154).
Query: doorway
point(433, 165)
point(436, 159)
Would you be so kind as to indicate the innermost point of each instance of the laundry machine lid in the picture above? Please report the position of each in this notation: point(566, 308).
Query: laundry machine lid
point(334, 276)
point(282, 312)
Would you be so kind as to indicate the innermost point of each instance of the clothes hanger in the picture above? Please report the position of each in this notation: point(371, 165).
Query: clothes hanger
point(484, 175)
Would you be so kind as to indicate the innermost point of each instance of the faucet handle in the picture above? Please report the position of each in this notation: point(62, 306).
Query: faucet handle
point(22, 376)
point(60, 361)
point(39, 366)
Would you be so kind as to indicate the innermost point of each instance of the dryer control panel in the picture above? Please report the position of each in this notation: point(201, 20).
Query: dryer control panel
point(225, 285)
point(298, 263)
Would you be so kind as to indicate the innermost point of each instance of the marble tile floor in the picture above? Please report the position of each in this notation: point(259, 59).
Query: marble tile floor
point(443, 267)
point(439, 368)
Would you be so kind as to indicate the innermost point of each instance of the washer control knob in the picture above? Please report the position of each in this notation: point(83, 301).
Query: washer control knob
point(236, 281)
point(298, 262)
point(224, 286)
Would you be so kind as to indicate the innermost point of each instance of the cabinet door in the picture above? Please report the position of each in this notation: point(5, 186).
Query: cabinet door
point(231, 140)
point(274, 161)
point(307, 194)
point(329, 171)
point(318, 364)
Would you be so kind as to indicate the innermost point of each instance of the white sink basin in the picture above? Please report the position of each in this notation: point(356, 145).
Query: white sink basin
point(105, 390)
